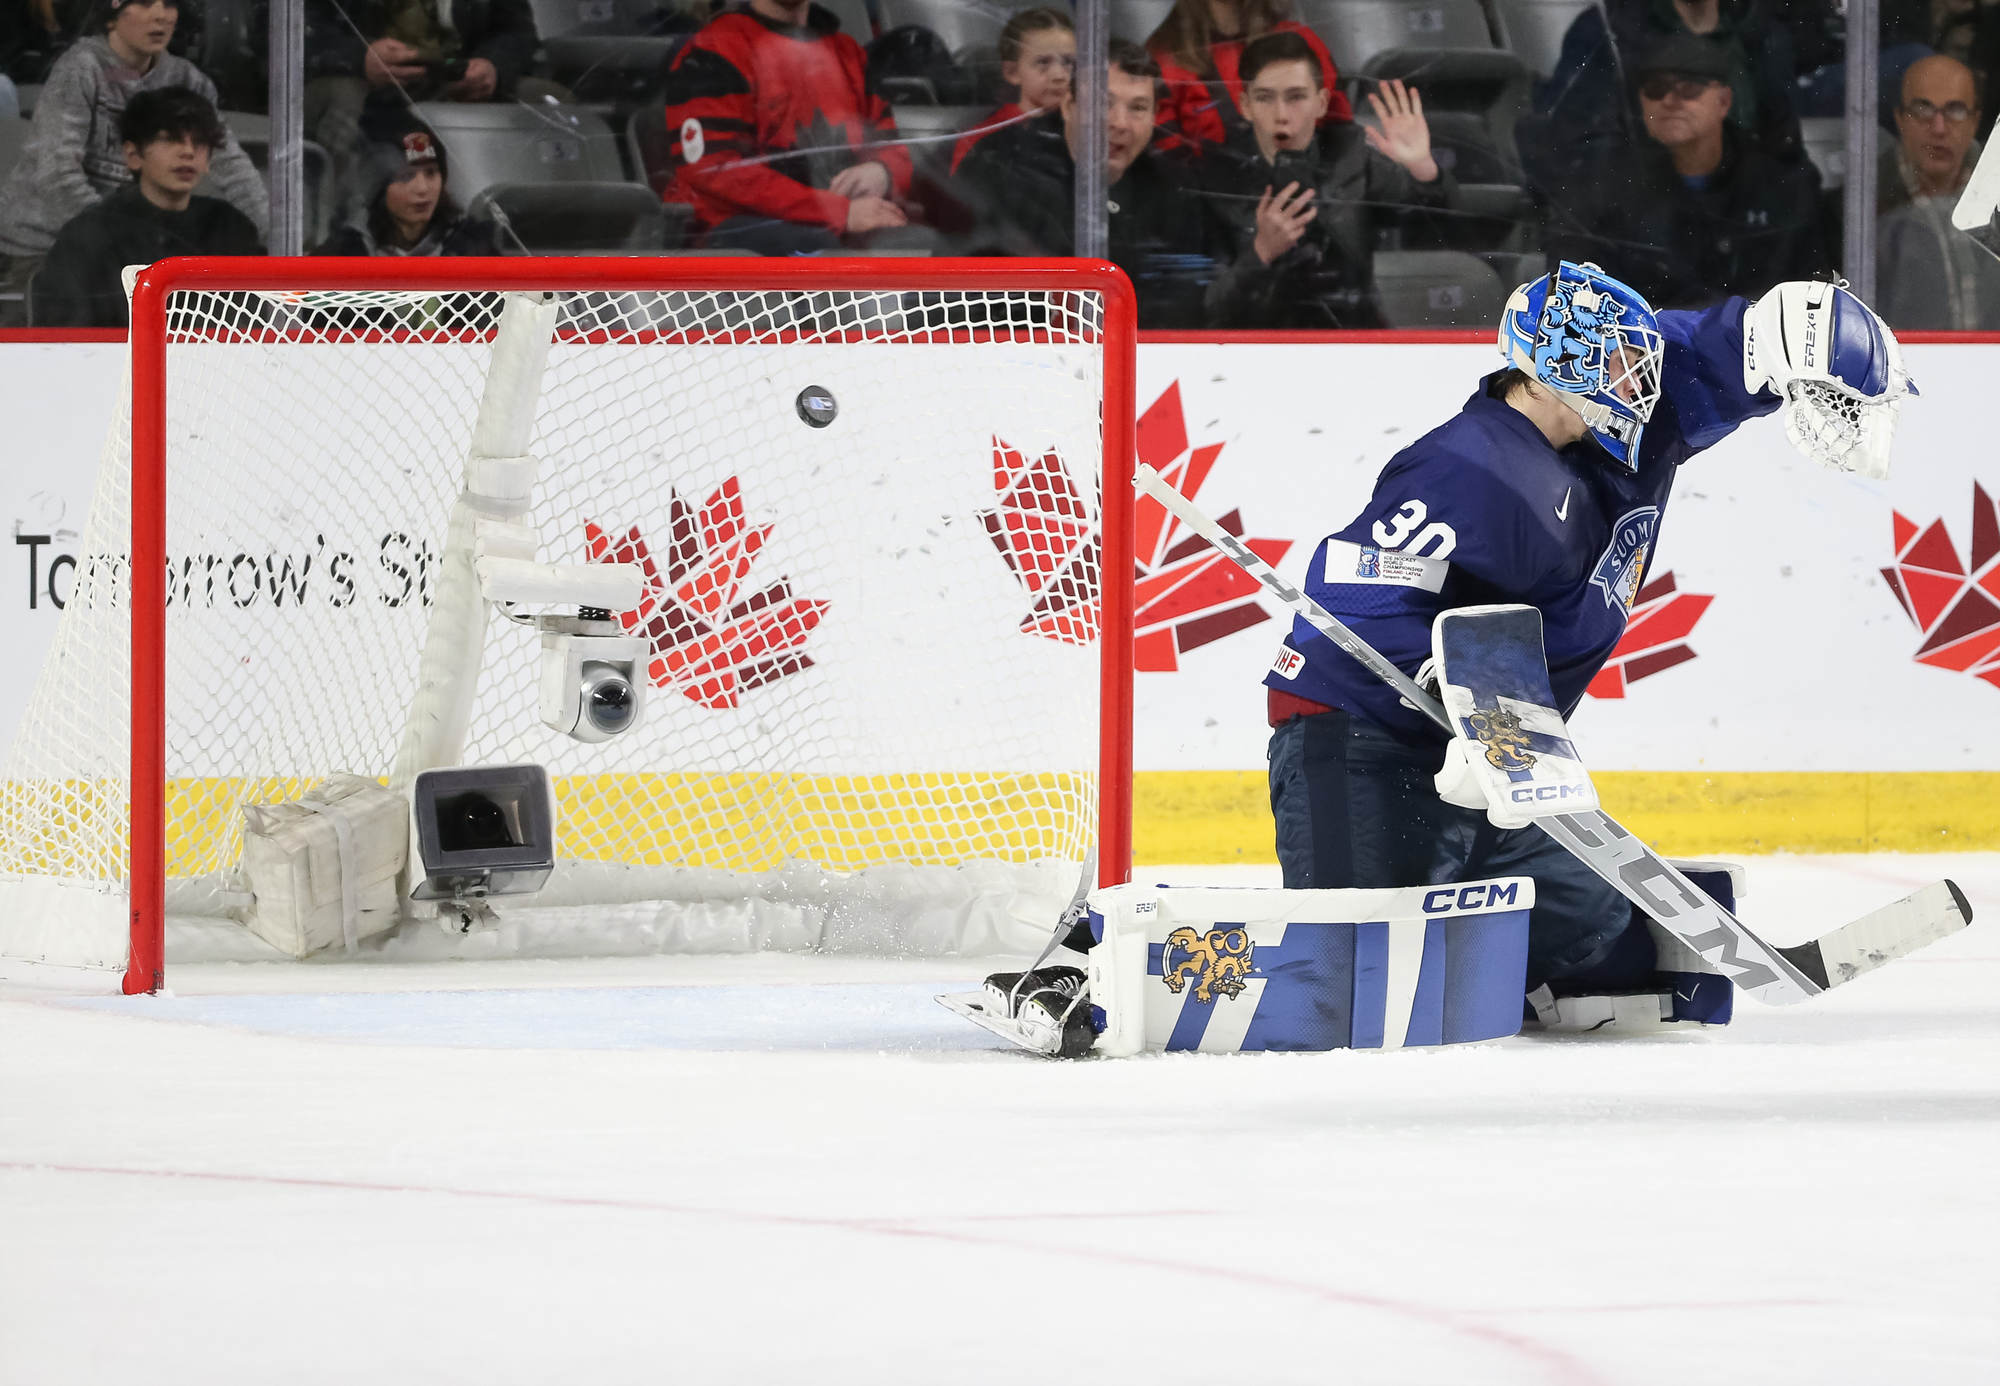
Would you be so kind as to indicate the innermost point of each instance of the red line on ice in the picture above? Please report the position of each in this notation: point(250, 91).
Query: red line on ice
point(1562, 1369)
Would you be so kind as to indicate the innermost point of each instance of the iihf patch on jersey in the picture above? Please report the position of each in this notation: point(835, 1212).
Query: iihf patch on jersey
point(1224, 969)
point(1367, 564)
point(1287, 663)
point(1493, 678)
point(1623, 566)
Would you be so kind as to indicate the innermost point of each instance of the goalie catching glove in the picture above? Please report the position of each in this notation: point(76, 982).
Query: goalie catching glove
point(1838, 368)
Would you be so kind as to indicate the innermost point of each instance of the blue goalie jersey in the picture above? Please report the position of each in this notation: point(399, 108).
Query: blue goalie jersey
point(1485, 510)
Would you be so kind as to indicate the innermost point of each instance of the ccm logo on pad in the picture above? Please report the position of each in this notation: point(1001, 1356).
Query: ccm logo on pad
point(1482, 896)
point(1542, 793)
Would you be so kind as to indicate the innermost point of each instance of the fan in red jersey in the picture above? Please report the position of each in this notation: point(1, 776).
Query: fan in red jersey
point(1199, 47)
point(779, 143)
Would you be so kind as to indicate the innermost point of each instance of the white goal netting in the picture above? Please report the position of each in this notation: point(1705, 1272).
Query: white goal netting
point(874, 713)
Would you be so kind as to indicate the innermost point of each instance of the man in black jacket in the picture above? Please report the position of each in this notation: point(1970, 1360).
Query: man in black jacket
point(1019, 181)
point(168, 136)
point(1302, 210)
point(1693, 211)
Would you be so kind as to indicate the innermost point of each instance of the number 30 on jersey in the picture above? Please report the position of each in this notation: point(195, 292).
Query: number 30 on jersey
point(1407, 531)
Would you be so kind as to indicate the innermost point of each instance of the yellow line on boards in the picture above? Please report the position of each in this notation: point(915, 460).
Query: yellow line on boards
point(1223, 816)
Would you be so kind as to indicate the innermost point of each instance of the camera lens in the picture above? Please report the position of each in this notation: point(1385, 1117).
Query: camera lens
point(608, 703)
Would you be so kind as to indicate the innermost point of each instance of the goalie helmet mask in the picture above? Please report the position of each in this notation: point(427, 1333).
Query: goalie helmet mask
point(1595, 342)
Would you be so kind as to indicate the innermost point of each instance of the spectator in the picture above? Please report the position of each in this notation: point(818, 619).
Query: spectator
point(1585, 100)
point(410, 212)
point(1199, 47)
point(1694, 210)
point(73, 156)
point(781, 145)
point(1928, 273)
point(1302, 210)
point(1037, 56)
point(364, 59)
point(167, 136)
point(1968, 30)
point(1021, 180)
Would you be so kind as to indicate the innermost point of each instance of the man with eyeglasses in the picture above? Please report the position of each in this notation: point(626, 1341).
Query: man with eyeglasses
point(1692, 210)
point(1935, 126)
point(1928, 273)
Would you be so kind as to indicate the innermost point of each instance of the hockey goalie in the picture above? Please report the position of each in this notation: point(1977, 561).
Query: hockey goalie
point(1422, 775)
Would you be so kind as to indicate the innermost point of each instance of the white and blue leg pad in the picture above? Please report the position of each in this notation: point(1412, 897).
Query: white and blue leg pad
point(1221, 969)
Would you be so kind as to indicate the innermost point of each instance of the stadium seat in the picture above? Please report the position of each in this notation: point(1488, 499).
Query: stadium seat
point(610, 67)
point(500, 143)
point(583, 218)
point(1533, 29)
point(554, 18)
point(1137, 19)
point(1825, 139)
point(649, 146)
point(1430, 42)
point(609, 50)
point(1516, 268)
point(253, 132)
point(13, 140)
point(968, 28)
point(1437, 288)
point(855, 20)
point(931, 132)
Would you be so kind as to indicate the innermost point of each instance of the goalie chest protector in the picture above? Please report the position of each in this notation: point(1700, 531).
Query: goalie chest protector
point(1221, 969)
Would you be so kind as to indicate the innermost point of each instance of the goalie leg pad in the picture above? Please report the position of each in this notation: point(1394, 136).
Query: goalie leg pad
point(1645, 979)
point(1222, 970)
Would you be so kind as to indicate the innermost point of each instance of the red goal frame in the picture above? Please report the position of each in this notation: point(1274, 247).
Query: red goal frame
point(145, 965)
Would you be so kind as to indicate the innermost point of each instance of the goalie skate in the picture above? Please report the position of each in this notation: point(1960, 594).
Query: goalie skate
point(1046, 1010)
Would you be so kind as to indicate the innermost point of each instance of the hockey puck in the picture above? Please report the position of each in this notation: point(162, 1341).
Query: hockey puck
point(816, 406)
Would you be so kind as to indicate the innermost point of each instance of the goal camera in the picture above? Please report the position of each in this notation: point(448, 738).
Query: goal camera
point(483, 830)
point(593, 681)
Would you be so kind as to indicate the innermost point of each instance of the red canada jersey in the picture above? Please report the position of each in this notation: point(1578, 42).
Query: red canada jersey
point(1003, 116)
point(1202, 112)
point(762, 116)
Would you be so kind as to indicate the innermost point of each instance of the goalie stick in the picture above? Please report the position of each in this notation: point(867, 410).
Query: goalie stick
point(1771, 974)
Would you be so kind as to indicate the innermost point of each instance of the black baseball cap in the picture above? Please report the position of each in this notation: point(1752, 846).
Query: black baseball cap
point(1685, 55)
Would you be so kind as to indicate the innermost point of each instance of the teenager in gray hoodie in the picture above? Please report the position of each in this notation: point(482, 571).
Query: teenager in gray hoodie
point(75, 156)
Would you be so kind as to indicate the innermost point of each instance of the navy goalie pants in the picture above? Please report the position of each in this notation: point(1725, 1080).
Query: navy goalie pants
point(1356, 808)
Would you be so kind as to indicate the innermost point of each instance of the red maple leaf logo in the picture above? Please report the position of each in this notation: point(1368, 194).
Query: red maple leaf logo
point(1186, 594)
point(1047, 532)
point(710, 643)
point(1955, 605)
point(1655, 637)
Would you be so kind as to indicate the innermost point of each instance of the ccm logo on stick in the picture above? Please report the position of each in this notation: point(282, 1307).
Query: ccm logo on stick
point(1472, 897)
point(1531, 793)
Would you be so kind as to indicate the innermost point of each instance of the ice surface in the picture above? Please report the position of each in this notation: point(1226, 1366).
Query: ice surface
point(796, 1169)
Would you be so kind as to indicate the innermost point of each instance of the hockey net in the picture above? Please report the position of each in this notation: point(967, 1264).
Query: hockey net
point(889, 705)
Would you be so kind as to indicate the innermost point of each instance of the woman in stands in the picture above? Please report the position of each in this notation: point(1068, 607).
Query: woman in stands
point(1037, 57)
point(1198, 47)
point(410, 212)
